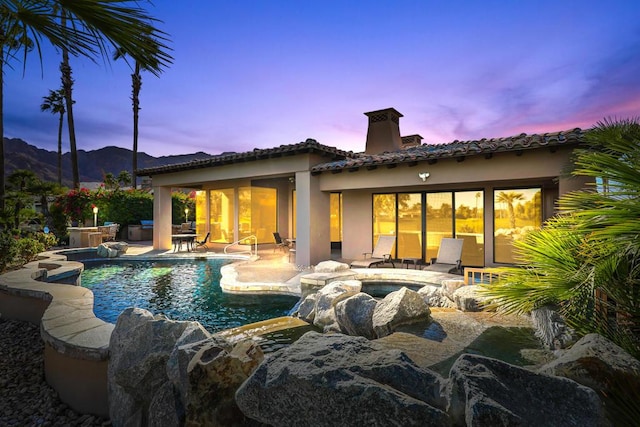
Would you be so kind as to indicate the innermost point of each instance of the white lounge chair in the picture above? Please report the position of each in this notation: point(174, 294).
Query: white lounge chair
point(449, 259)
point(381, 253)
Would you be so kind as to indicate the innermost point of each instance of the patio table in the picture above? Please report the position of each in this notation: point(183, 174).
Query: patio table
point(178, 239)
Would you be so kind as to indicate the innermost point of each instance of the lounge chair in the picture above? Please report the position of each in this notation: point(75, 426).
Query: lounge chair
point(449, 259)
point(202, 243)
point(381, 253)
point(281, 243)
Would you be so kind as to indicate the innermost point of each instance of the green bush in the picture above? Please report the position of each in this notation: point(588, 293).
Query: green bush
point(27, 250)
point(126, 207)
point(8, 250)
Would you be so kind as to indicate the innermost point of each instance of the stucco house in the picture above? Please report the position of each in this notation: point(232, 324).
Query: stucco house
point(488, 192)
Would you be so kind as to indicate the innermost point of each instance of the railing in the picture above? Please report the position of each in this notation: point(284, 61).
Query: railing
point(237, 243)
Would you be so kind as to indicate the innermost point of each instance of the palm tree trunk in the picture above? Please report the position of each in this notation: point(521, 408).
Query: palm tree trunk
point(2, 181)
point(136, 84)
point(60, 148)
point(512, 216)
point(67, 84)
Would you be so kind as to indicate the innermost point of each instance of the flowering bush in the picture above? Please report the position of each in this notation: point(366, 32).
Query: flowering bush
point(77, 204)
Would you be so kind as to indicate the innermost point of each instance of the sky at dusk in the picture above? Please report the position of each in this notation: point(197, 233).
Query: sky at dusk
point(259, 74)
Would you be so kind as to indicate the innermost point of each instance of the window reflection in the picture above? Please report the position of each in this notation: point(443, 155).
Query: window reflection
point(439, 221)
point(409, 226)
point(516, 211)
point(335, 220)
point(257, 213)
point(384, 216)
point(221, 215)
point(470, 226)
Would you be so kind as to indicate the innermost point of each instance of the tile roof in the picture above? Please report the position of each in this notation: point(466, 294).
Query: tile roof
point(455, 149)
point(349, 160)
point(310, 146)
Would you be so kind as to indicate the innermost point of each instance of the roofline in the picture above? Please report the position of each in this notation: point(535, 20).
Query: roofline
point(456, 149)
point(309, 146)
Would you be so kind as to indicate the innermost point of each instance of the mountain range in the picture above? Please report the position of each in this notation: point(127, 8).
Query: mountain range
point(92, 164)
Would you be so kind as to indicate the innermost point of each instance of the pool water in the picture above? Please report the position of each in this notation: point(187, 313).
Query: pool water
point(179, 289)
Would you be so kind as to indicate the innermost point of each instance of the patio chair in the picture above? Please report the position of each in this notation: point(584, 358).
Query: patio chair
point(381, 253)
point(202, 243)
point(280, 242)
point(449, 259)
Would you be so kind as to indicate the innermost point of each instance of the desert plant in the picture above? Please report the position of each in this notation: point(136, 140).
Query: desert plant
point(592, 246)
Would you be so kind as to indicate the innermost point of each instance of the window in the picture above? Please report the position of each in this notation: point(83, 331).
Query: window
point(221, 215)
point(201, 212)
point(384, 216)
point(422, 220)
point(439, 221)
point(257, 213)
point(335, 220)
point(469, 220)
point(516, 211)
point(409, 225)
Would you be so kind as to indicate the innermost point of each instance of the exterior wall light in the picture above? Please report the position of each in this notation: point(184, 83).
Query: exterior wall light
point(423, 176)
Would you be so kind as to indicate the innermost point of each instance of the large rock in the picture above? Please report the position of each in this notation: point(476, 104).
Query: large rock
point(551, 328)
point(355, 314)
point(328, 297)
point(449, 286)
point(400, 307)
point(488, 392)
point(330, 380)
point(307, 308)
point(214, 377)
point(140, 347)
point(598, 363)
point(184, 351)
point(330, 267)
point(112, 249)
point(467, 298)
point(434, 296)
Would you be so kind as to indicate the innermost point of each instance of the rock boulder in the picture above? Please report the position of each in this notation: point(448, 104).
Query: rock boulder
point(489, 392)
point(330, 267)
point(329, 380)
point(601, 365)
point(355, 314)
point(328, 297)
point(400, 307)
point(140, 347)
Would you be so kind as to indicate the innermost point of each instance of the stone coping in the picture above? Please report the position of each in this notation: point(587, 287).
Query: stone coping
point(69, 324)
point(230, 284)
point(305, 280)
point(378, 275)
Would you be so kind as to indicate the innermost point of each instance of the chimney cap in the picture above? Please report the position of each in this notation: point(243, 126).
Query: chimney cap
point(384, 110)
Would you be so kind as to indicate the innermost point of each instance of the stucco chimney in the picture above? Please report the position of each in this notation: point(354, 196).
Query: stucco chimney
point(383, 133)
point(411, 141)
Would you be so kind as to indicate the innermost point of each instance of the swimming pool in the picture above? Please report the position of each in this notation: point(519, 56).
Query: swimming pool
point(179, 289)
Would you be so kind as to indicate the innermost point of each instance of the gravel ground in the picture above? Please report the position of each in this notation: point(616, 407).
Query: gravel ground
point(25, 397)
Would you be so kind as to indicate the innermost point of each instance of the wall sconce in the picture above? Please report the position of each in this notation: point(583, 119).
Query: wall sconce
point(423, 176)
point(292, 179)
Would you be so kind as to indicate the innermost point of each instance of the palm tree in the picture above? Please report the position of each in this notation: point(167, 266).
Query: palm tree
point(136, 85)
point(54, 102)
point(89, 27)
point(23, 25)
point(151, 60)
point(508, 199)
point(591, 248)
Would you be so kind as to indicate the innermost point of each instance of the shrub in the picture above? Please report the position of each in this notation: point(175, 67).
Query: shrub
point(27, 250)
point(8, 249)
